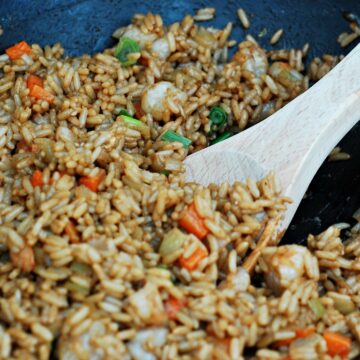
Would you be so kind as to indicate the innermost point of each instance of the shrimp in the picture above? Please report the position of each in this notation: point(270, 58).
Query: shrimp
point(287, 264)
point(157, 336)
point(155, 98)
point(161, 48)
point(149, 41)
point(238, 281)
point(252, 59)
point(88, 345)
point(148, 304)
point(136, 34)
point(285, 75)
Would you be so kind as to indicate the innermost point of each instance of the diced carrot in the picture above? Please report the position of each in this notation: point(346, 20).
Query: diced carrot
point(93, 182)
point(24, 259)
point(16, 51)
point(71, 232)
point(193, 260)
point(287, 357)
point(300, 333)
point(337, 344)
point(192, 222)
point(39, 93)
point(173, 306)
point(284, 342)
point(138, 110)
point(303, 333)
point(33, 80)
point(37, 178)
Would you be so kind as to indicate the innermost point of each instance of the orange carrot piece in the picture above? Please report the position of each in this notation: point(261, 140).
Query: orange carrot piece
point(337, 344)
point(33, 80)
point(16, 51)
point(193, 260)
point(71, 232)
point(303, 333)
point(93, 182)
point(37, 178)
point(300, 333)
point(192, 222)
point(39, 93)
point(24, 259)
point(284, 342)
point(138, 110)
point(173, 306)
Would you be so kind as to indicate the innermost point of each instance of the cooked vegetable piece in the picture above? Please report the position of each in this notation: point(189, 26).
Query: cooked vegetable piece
point(337, 344)
point(33, 80)
point(171, 136)
point(220, 138)
point(124, 112)
point(93, 182)
point(37, 178)
point(81, 268)
point(135, 124)
point(300, 334)
point(173, 306)
point(125, 48)
point(193, 260)
point(218, 117)
point(303, 333)
point(192, 222)
point(76, 288)
point(18, 50)
point(39, 93)
point(317, 307)
point(173, 241)
point(71, 232)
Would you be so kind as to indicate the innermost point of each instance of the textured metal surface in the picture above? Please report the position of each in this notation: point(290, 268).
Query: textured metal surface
point(86, 26)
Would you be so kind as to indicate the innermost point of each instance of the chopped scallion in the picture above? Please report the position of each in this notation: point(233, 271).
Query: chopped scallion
point(171, 136)
point(135, 124)
point(218, 117)
point(123, 112)
point(125, 48)
point(220, 138)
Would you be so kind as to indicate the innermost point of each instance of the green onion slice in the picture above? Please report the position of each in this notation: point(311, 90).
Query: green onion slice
point(218, 117)
point(135, 124)
point(124, 48)
point(171, 136)
point(220, 138)
point(124, 112)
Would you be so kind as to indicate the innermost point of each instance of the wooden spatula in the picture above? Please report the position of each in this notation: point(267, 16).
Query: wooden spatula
point(293, 142)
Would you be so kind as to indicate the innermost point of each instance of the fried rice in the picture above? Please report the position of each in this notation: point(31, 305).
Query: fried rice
point(107, 253)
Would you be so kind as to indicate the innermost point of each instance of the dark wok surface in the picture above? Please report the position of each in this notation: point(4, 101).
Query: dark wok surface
point(85, 26)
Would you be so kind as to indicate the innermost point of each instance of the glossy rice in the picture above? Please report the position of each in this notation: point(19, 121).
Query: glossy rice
point(110, 270)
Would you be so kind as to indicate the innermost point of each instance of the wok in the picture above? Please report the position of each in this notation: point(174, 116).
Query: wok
point(85, 26)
